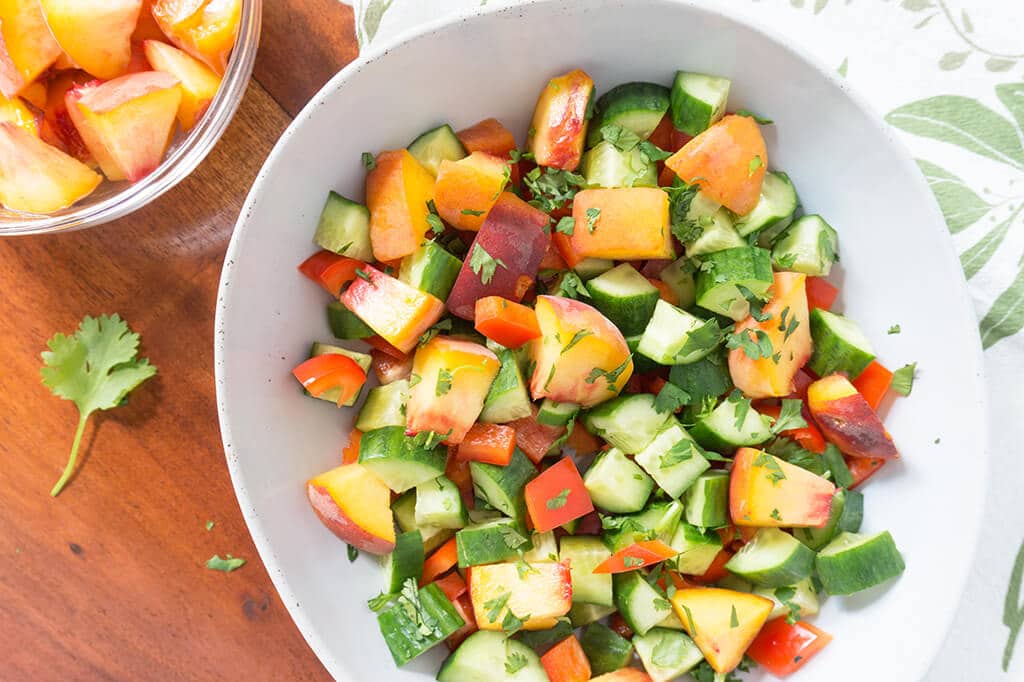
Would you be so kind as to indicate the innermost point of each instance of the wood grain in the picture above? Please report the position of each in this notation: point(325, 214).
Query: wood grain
point(108, 580)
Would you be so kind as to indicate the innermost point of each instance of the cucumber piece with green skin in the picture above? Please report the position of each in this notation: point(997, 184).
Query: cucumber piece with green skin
point(816, 538)
point(777, 204)
point(675, 337)
point(397, 460)
point(713, 226)
point(839, 345)
point(616, 484)
point(673, 459)
point(404, 509)
point(707, 501)
point(773, 558)
point(589, 268)
point(490, 542)
point(344, 228)
point(545, 548)
point(507, 399)
point(658, 521)
point(482, 658)
point(854, 562)
point(606, 649)
point(628, 422)
point(667, 654)
point(608, 166)
point(734, 583)
point(802, 596)
point(853, 512)
point(584, 554)
point(401, 623)
point(697, 549)
point(437, 145)
point(345, 324)
point(641, 364)
point(503, 486)
point(841, 475)
point(542, 640)
point(697, 101)
point(809, 246)
point(552, 413)
point(625, 297)
point(637, 107)
point(439, 503)
point(722, 272)
point(384, 406)
point(404, 562)
point(731, 425)
point(585, 614)
point(361, 359)
point(641, 606)
point(431, 269)
point(678, 276)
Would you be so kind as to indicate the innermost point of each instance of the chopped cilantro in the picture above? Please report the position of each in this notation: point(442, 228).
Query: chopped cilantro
point(704, 338)
point(225, 565)
point(895, 329)
point(566, 225)
point(363, 275)
point(753, 165)
point(552, 188)
point(592, 215)
point(558, 501)
point(482, 264)
point(756, 303)
point(776, 515)
point(469, 211)
point(756, 344)
point(444, 381)
point(380, 601)
point(790, 417)
point(632, 561)
point(775, 472)
point(621, 138)
point(652, 152)
point(682, 451)
point(369, 162)
point(903, 379)
point(414, 379)
point(611, 377)
point(689, 620)
point(680, 196)
point(670, 398)
point(436, 226)
point(512, 538)
point(571, 286)
point(514, 662)
point(759, 119)
point(495, 606)
point(734, 620)
point(444, 325)
point(576, 338)
point(742, 409)
point(353, 553)
point(209, 525)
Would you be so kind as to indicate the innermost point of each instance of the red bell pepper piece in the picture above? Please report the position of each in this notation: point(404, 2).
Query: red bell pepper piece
point(820, 293)
point(442, 560)
point(557, 496)
point(452, 585)
point(534, 438)
point(637, 555)
point(330, 270)
point(783, 649)
point(566, 662)
point(873, 383)
point(506, 322)
point(489, 443)
point(457, 471)
point(350, 454)
point(331, 370)
point(464, 607)
point(664, 291)
point(863, 468)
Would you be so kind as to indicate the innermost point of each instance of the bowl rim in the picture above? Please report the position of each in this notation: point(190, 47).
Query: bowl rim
point(314, 638)
point(176, 165)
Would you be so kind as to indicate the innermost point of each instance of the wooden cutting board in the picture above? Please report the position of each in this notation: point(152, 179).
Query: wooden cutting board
point(108, 581)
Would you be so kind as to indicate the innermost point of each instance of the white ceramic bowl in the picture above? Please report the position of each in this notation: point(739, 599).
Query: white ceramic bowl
point(898, 267)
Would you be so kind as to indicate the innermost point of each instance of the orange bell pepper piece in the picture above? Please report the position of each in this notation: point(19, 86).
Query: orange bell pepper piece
point(566, 662)
point(873, 383)
point(627, 223)
point(464, 607)
point(506, 322)
point(397, 191)
point(809, 437)
point(440, 562)
point(331, 370)
point(637, 555)
point(863, 468)
point(350, 453)
point(488, 443)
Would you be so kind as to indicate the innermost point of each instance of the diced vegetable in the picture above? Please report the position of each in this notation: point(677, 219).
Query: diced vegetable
point(637, 555)
point(559, 126)
point(696, 550)
point(847, 420)
point(723, 273)
point(557, 496)
point(839, 345)
point(583, 554)
point(873, 383)
point(698, 100)
point(489, 542)
point(483, 657)
point(734, 423)
point(566, 662)
point(400, 622)
point(774, 210)
point(436, 146)
point(399, 313)
point(617, 484)
point(439, 504)
point(640, 604)
point(673, 459)
point(675, 337)
point(505, 322)
point(536, 440)
point(809, 246)
point(629, 422)
point(767, 491)
point(507, 400)
point(430, 269)
point(344, 323)
point(399, 461)
point(332, 372)
point(606, 650)
point(442, 560)
point(344, 228)
point(773, 558)
point(666, 654)
point(405, 562)
point(384, 406)
point(330, 270)
point(707, 501)
point(623, 223)
point(782, 649)
point(489, 443)
point(854, 562)
point(608, 166)
point(820, 293)
point(398, 188)
point(722, 623)
point(342, 394)
point(538, 596)
point(634, 107)
point(625, 297)
point(488, 136)
point(503, 487)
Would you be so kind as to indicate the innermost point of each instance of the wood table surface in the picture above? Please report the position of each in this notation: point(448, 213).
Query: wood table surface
point(107, 581)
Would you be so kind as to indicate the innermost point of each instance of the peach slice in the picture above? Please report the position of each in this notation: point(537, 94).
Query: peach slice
point(354, 505)
point(722, 623)
point(206, 29)
point(765, 491)
point(35, 94)
point(847, 420)
point(38, 178)
point(15, 111)
point(198, 82)
point(629, 223)
point(397, 191)
point(127, 123)
point(539, 596)
point(581, 356)
point(559, 126)
point(95, 34)
point(27, 47)
point(467, 189)
point(147, 28)
point(790, 334)
point(57, 127)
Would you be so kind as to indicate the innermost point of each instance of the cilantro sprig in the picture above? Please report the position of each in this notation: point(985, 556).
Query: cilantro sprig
point(96, 368)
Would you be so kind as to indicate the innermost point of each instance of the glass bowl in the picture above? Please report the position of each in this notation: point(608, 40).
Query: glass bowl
point(113, 200)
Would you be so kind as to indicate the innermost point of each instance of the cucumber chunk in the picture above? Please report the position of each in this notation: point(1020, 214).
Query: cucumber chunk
point(589, 268)
point(345, 324)
point(773, 558)
point(606, 649)
point(397, 460)
point(616, 484)
point(803, 597)
point(545, 548)
point(809, 246)
point(839, 345)
point(344, 228)
point(542, 640)
point(641, 363)
point(585, 614)
point(712, 227)
point(437, 145)
point(507, 399)
point(721, 274)
point(490, 542)
point(404, 562)
point(625, 297)
point(854, 562)
point(401, 623)
point(641, 606)
point(679, 277)
point(384, 406)
point(584, 554)
point(658, 521)
point(482, 658)
point(775, 208)
point(697, 549)
point(556, 414)
point(698, 100)
point(731, 425)
point(362, 359)
point(667, 654)
point(628, 422)
point(431, 269)
point(853, 512)
point(503, 486)
point(404, 509)
point(675, 337)
point(707, 501)
point(673, 459)
point(637, 107)
point(608, 166)
point(439, 503)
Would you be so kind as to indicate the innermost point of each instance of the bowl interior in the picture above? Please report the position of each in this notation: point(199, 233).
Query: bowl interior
point(897, 267)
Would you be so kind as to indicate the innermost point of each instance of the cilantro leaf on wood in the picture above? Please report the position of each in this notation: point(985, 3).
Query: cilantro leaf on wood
point(95, 368)
point(225, 565)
